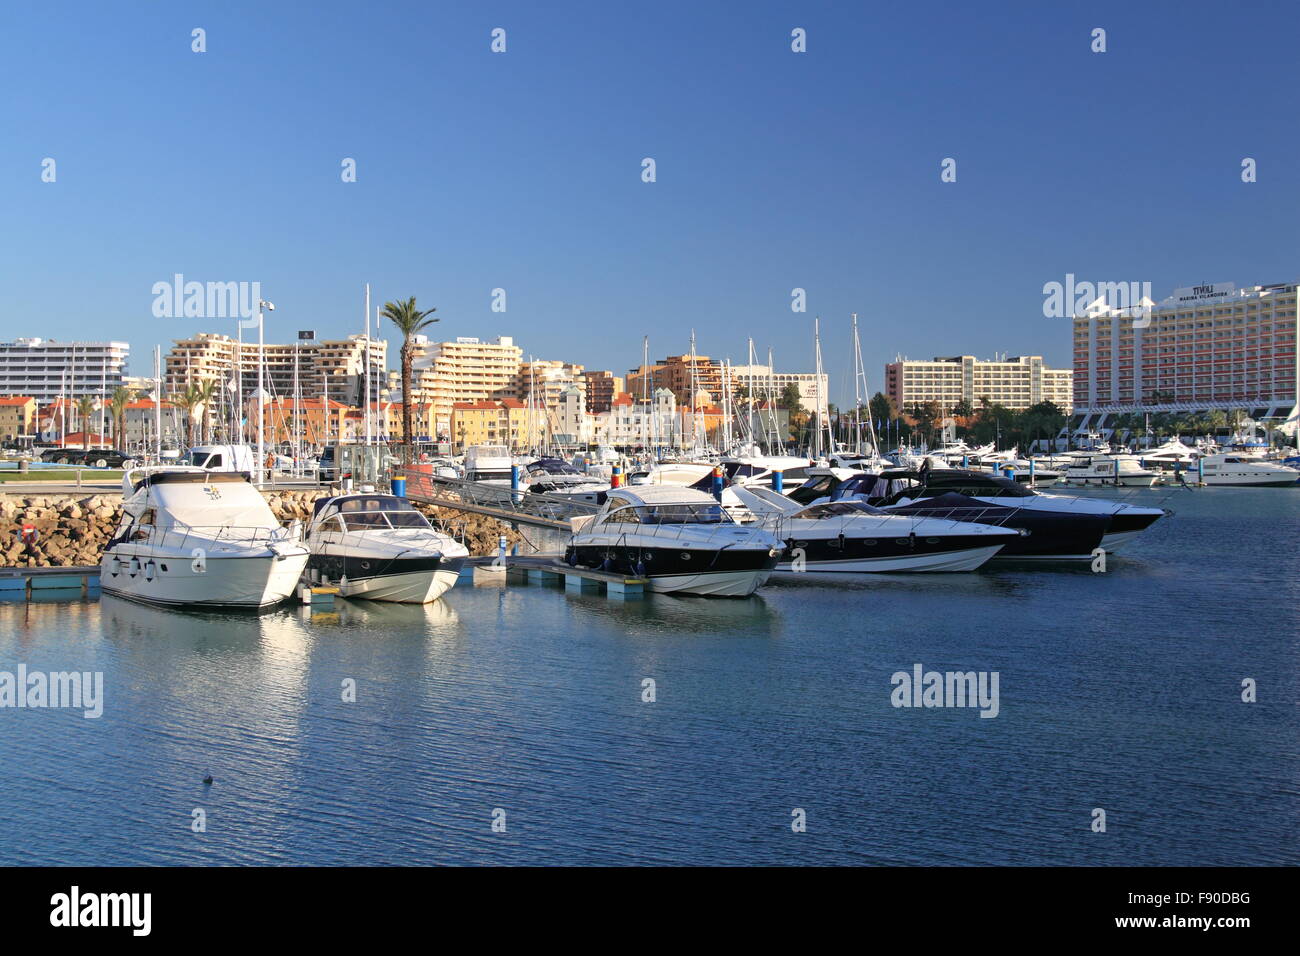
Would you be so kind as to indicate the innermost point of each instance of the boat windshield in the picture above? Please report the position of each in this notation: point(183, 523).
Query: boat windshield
point(839, 509)
point(671, 514)
point(551, 466)
point(368, 520)
point(379, 511)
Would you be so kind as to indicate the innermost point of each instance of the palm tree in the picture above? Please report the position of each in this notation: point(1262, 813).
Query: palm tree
point(117, 405)
point(409, 321)
point(206, 393)
point(85, 409)
point(189, 398)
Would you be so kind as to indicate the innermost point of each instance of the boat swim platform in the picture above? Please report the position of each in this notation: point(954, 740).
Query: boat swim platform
point(550, 570)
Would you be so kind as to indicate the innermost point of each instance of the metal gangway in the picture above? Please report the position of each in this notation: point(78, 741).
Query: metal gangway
point(515, 506)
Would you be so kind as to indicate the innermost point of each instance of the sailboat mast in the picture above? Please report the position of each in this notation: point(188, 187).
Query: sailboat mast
point(365, 407)
point(648, 432)
point(157, 392)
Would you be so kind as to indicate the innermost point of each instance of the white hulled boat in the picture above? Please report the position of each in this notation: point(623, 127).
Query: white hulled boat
point(680, 539)
point(1242, 470)
point(839, 539)
point(1124, 471)
point(189, 537)
point(380, 548)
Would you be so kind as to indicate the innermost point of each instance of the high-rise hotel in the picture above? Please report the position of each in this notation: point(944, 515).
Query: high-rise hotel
point(1205, 347)
point(44, 369)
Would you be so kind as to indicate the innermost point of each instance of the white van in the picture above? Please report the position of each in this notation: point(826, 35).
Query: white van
point(222, 458)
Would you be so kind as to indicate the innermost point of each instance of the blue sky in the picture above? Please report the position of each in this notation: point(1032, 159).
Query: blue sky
point(522, 170)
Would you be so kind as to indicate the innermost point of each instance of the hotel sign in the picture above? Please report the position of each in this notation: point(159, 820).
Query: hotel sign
point(1203, 293)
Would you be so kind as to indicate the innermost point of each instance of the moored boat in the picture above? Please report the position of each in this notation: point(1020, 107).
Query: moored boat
point(680, 540)
point(189, 537)
point(380, 548)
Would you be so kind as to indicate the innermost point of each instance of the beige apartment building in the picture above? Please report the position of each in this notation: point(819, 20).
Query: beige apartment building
point(546, 381)
point(1018, 382)
point(465, 370)
point(333, 369)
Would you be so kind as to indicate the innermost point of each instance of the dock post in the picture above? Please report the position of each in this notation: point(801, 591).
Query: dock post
point(579, 584)
point(778, 482)
point(625, 589)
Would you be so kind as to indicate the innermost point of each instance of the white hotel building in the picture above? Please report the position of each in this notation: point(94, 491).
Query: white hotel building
point(44, 369)
point(1018, 382)
point(1203, 348)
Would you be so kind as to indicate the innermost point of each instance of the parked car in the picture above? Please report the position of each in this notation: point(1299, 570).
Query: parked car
point(94, 458)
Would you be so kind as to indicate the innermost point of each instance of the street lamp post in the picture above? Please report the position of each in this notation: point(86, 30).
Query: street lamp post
point(261, 389)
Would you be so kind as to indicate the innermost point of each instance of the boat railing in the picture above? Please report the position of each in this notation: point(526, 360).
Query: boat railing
point(182, 536)
point(422, 539)
point(997, 515)
point(721, 534)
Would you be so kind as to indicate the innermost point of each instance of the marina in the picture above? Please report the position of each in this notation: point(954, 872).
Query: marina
point(527, 696)
point(731, 466)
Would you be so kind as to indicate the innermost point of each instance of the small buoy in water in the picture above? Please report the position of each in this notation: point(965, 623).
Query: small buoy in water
point(207, 780)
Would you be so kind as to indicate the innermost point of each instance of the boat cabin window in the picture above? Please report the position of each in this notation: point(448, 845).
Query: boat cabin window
point(834, 509)
point(671, 514)
point(814, 488)
point(361, 513)
point(976, 486)
point(144, 524)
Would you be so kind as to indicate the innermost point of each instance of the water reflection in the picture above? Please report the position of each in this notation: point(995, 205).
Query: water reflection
point(436, 616)
point(741, 617)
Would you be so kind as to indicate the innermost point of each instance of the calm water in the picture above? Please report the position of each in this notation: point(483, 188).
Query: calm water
point(1118, 690)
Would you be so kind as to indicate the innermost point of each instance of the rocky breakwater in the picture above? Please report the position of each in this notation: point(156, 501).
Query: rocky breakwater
point(62, 531)
point(65, 531)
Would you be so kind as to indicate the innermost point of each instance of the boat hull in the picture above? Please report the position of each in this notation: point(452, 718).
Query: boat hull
point(400, 580)
point(966, 559)
point(251, 582)
point(711, 584)
point(1123, 481)
point(679, 570)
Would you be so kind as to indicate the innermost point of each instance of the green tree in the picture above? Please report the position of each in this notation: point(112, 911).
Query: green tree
point(882, 408)
point(792, 399)
point(410, 321)
point(190, 398)
point(117, 403)
point(85, 409)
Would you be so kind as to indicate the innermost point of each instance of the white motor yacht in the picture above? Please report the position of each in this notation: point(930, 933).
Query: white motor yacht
point(680, 539)
point(833, 540)
point(380, 548)
point(1170, 456)
point(1242, 470)
point(554, 476)
point(488, 464)
point(190, 537)
point(1124, 471)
